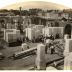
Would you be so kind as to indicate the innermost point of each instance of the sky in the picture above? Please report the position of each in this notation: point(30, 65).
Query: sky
point(67, 3)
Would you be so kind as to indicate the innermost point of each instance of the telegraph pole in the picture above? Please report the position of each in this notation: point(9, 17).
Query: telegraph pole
point(20, 11)
point(20, 20)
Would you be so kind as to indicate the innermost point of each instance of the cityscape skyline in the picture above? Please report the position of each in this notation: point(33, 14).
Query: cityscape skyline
point(4, 3)
point(36, 39)
point(36, 4)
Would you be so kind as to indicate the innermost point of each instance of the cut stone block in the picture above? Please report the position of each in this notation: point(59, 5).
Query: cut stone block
point(66, 36)
point(68, 46)
point(40, 59)
point(24, 46)
point(50, 68)
point(68, 62)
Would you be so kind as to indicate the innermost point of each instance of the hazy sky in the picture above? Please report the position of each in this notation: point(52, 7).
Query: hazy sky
point(4, 3)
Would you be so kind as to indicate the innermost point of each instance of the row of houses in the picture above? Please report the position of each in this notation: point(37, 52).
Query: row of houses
point(45, 23)
point(42, 18)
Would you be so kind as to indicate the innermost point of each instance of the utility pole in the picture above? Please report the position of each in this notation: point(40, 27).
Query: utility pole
point(20, 11)
point(20, 20)
point(10, 19)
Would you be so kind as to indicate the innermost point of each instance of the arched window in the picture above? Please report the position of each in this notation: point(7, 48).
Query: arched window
point(67, 30)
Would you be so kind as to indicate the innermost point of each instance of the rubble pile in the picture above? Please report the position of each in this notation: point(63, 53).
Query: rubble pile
point(59, 47)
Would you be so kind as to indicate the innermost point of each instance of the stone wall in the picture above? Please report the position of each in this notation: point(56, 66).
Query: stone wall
point(53, 31)
point(11, 35)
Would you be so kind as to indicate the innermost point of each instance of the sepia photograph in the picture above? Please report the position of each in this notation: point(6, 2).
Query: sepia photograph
point(35, 35)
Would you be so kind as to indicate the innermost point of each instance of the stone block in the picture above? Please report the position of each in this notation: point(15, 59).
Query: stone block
point(68, 62)
point(40, 59)
point(68, 47)
point(24, 46)
point(66, 36)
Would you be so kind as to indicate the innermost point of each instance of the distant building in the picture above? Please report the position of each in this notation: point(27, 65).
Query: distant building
point(11, 35)
point(45, 18)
